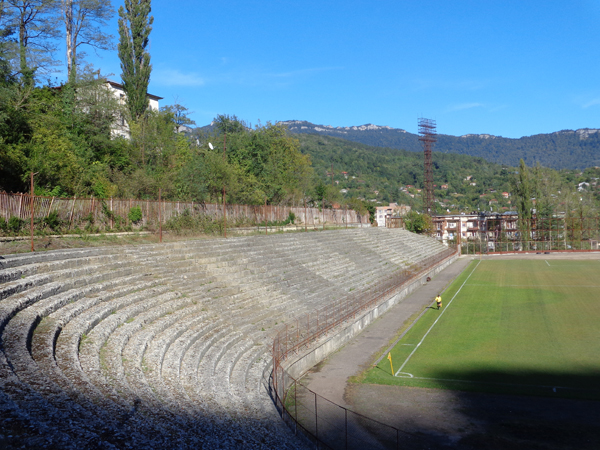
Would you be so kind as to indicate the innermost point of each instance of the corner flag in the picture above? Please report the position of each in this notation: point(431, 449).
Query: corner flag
point(391, 365)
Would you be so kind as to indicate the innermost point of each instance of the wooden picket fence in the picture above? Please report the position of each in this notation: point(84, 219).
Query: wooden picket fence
point(106, 213)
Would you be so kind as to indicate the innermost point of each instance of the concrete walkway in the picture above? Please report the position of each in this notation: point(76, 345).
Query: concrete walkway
point(330, 378)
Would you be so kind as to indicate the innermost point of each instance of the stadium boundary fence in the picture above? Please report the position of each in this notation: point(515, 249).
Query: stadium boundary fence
point(322, 421)
point(103, 213)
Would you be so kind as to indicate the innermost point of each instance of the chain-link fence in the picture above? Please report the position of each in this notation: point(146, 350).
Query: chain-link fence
point(325, 423)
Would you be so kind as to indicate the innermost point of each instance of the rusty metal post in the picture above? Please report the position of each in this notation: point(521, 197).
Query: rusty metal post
point(31, 197)
point(159, 216)
point(305, 215)
point(323, 207)
point(316, 420)
point(224, 214)
point(346, 423)
point(275, 366)
point(295, 407)
point(224, 205)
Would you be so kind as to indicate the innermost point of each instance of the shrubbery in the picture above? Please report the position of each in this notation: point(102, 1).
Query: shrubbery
point(186, 222)
point(135, 214)
point(15, 224)
point(53, 221)
point(418, 223)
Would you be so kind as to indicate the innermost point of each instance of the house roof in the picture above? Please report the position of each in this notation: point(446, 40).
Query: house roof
point(120, 86)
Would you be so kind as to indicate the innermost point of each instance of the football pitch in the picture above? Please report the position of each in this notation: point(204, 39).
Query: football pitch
point(507, 326)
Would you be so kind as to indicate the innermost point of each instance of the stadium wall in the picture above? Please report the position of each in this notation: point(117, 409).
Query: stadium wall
point(297, 367)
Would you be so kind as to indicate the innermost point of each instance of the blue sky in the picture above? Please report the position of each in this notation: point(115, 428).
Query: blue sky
point(503, 67)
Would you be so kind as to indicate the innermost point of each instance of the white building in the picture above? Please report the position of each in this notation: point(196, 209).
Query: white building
point(121, 127)
point(472, 227)
point(393, 209)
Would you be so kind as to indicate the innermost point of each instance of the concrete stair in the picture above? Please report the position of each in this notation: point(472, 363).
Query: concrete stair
point(165, 345)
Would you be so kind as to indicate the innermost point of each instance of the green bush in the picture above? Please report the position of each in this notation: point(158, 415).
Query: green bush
point(186, 222)
point(3, 225)
point(53, 221)
point(15, 224)
point(280, 223)
point(135, 214)
point(418, 223)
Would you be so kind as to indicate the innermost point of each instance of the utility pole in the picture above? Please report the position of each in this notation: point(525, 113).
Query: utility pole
point(305, 215)
point(159, 217)
point(224, 204)
point(32, 210)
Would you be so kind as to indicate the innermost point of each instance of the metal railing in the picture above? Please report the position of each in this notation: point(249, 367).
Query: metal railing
point(325, 423)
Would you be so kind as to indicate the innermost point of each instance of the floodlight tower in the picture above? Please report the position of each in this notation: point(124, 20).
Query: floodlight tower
point(428, 136)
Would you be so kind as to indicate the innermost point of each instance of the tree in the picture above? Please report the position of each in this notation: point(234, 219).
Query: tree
point(135, 26)
point(179, 114)
point(37, 28)
point(84, 20)
point(229, 124)
point(418, 223)
point(522, 190)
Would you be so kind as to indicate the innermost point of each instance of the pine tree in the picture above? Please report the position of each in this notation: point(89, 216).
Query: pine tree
point(84, 22)
point(135, 26)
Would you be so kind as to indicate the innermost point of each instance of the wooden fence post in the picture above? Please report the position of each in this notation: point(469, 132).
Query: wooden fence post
point(72, 212)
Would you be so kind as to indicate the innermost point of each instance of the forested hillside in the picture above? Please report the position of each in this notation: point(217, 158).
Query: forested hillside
point(383, 174)
point(566, 149)
point(463, 183)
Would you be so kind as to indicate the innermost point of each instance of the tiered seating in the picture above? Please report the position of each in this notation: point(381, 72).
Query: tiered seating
point(165, 345)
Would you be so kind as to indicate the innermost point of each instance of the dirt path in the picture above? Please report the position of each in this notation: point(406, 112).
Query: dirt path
point(454, 419)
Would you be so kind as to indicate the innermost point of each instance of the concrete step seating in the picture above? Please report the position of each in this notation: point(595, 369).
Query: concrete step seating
point(165, 345)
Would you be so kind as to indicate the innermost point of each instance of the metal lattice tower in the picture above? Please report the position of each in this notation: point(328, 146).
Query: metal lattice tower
point(428, 136)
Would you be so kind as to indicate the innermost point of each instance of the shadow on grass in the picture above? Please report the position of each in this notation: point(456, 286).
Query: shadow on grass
point(496, 410)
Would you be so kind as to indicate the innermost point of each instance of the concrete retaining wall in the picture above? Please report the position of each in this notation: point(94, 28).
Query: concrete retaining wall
point(299, 366)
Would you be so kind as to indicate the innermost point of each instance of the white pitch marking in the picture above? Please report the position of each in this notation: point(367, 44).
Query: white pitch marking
point(547, 262)
point(404, 375)
point(436, 321)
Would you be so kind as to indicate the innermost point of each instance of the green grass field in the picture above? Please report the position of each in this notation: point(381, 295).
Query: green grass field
point(523, 326)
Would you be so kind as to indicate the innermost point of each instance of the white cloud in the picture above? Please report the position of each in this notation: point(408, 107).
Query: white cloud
point(454, 85)
point(463, 106)
point(593, 102)
point(174, 77)
point(300, 72)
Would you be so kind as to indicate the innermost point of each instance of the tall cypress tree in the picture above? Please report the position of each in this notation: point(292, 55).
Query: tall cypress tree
point(135, 25)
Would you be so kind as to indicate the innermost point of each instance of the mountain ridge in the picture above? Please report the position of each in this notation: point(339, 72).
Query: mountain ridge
point(564, 149)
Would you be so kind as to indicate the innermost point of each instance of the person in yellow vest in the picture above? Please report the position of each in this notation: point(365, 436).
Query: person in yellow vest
point(438, 301)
